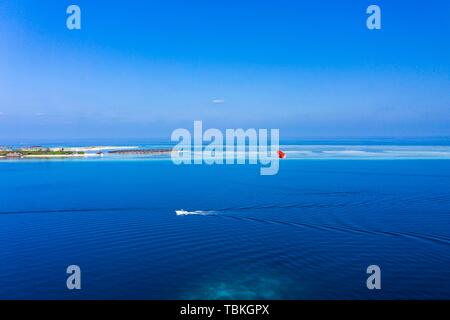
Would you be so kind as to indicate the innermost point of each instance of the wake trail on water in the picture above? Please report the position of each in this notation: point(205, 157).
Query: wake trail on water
point(439, 239)
point(197, 212)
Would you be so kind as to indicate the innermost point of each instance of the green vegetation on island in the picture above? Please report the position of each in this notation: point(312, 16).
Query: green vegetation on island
point(18, 153)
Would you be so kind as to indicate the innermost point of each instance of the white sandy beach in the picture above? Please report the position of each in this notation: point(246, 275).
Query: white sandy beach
point(62, 155)
point(98, 148)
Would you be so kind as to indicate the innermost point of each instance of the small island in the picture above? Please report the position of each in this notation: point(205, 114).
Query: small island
point(68, 152)
point(39, 152)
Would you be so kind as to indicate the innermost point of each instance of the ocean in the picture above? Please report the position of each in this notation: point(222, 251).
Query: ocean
point(309, 232)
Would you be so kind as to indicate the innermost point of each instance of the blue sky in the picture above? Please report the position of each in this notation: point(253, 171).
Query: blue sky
point(140, 69)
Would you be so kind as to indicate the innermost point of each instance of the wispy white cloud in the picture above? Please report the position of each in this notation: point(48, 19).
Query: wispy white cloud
point(218, 101)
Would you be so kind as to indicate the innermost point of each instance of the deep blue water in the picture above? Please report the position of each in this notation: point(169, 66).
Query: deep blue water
point(307, 233)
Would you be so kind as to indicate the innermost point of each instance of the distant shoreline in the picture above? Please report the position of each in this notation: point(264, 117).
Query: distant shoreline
point(59, 156)
point(99, 148)
point(39, 152)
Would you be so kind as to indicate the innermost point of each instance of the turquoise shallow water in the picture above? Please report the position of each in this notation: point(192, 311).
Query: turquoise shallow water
point(307, 233)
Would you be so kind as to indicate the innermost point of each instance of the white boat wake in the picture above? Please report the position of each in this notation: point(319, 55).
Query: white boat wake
point(197, 212)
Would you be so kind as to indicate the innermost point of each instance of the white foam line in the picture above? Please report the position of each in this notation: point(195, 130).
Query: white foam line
point(197, 212)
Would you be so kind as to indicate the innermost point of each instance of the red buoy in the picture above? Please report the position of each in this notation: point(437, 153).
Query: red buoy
point(281, 154)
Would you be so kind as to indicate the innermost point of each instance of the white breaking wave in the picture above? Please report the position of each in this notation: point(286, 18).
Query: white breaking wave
point(365, 152)
point(197, 212)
